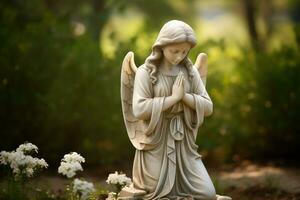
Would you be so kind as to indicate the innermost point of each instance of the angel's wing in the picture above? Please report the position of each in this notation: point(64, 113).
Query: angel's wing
point(201, 65)
point(134, 126)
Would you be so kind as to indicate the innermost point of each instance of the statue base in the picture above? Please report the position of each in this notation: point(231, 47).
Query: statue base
point(219, 197)
point(130, 193)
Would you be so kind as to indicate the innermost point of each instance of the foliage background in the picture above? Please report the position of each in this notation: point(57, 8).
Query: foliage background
point(60, 67)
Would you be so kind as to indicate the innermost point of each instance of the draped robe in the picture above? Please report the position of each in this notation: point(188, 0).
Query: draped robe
point(170, 166)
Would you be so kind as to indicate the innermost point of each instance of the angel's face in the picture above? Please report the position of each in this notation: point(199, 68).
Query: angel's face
point(175, 53)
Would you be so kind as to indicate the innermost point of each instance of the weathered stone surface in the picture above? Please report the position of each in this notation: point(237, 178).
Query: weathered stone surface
point(164, 103)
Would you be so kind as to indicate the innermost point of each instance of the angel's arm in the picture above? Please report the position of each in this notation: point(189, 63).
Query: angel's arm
point(169, 101)
point(189, 100)
point(143, 100)
point(200, 92)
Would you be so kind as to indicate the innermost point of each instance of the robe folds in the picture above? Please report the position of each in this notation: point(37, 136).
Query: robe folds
point(170, 166)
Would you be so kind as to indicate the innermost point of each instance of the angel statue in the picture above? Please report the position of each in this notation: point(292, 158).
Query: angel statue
point(164, 102)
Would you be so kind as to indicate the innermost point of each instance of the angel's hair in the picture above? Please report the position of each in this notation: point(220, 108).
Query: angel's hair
point(172, 32)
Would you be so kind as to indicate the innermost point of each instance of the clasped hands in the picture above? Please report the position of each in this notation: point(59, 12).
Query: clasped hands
point(178, 91)
point(179, 94)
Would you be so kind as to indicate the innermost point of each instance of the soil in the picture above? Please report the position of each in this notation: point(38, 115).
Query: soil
point(247, 181)
point(256, 182)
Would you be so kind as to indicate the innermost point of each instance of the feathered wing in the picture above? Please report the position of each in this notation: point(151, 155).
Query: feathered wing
point(133, 125)
point(201, 65)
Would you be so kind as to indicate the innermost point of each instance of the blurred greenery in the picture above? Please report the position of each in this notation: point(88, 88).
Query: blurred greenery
point(60, 67)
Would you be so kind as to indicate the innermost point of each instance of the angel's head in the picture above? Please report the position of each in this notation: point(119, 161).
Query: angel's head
point(173, 43)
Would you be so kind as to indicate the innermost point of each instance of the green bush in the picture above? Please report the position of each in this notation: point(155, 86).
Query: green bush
point(256, 103)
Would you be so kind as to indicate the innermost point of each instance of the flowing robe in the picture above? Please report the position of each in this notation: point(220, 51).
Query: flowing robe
point(170, 166)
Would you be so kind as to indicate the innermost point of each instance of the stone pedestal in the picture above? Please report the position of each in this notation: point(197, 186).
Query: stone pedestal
point(219, 197)
point(130, 193)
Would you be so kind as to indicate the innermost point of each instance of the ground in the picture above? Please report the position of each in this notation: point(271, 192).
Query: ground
point(257, 182)
point(247, 181)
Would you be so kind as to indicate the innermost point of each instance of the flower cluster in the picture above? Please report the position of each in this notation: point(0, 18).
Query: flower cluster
point(83, 188)
point(27, 148)
point(24, 165)
point(118, 179)
point(70, 164)
point(20, 162)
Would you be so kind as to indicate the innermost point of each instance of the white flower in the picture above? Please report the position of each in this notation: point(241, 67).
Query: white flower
point(83, 188)
point(20, 163)
point(111, 196)
point(41, 162)
point(73, 157)
point(27, 148)
point(4, 156)
point(69, 169)
point(120, 179)
point(29, 172)
point(70, 164)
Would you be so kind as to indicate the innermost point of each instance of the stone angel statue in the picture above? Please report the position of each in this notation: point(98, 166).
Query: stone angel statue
point(164, 102)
